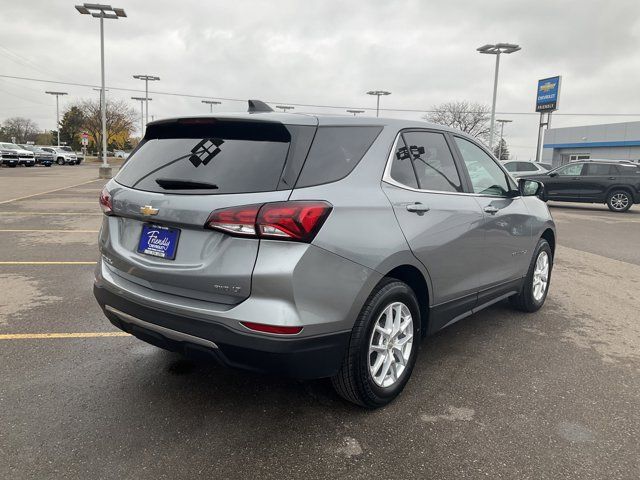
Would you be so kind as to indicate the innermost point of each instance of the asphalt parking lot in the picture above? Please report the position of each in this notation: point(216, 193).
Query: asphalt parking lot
point(555, 394)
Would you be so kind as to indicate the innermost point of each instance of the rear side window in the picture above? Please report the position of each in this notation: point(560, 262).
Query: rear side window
point(433, 162)
point(522, 167)
point(335, 152)
point(402, 168)
point(212, 157)
point(600, 169)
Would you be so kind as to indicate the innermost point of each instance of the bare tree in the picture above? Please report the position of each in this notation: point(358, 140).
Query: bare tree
point(471, 118)
point(19, 127)
point(121, 119)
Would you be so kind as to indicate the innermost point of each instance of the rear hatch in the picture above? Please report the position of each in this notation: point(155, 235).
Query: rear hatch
point(181, 172)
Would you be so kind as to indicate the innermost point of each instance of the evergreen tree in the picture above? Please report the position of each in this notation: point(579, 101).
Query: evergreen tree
point(501, 150)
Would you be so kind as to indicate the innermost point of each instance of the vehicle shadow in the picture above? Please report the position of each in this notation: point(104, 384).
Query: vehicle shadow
point(205, 384)
point(634, 210)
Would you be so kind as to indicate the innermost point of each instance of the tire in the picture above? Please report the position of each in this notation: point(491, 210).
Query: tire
point(60, 161)
point(619, 201)
point(13, 165)
point(529, 298)
point(354, 381)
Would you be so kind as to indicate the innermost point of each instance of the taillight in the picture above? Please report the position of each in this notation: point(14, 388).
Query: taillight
point(279, 330)
point(295, 220)
point(236, 220)
point(292, 220)
point(105, 202)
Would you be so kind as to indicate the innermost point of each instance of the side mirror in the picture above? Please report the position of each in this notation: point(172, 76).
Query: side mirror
point(530, 188)
point(552, 174)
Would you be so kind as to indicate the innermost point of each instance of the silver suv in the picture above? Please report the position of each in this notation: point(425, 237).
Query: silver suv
point(315, 246)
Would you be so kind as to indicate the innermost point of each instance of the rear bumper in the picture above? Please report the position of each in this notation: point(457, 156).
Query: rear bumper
point(308, 357)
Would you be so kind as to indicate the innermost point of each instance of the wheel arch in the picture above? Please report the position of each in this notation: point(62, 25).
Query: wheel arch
point(550, 236)
point(413, 277)
point(626, 188)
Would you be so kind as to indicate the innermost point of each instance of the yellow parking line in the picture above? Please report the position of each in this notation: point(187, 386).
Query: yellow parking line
point(44, 200)
point(36, 336)
point(8, 230)
point(48, 191)
point(47, 263)
point(50, 213)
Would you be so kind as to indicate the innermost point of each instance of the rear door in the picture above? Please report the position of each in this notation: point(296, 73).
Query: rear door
point(441, 223)
point(596, 179)
point(180, 173)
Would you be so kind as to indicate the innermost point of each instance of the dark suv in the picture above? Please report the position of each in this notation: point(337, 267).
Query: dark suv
point(615, 183)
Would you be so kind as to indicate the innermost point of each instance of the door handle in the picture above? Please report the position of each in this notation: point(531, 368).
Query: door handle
point(612, 178)
point(417, 207)
point(575, 178)
point(491, 209)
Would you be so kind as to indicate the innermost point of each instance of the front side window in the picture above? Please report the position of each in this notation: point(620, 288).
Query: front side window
point(571, 170)
point(487, 178)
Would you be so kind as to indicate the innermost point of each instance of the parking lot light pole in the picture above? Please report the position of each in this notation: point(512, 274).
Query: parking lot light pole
point(58, 95)
point(102, 12)
point(501, 122)
point(141, 100)
point(147, 79)
point(496, 49)
point(211, 103)
point(355, 112)
point(378, 94)
point(285, 108)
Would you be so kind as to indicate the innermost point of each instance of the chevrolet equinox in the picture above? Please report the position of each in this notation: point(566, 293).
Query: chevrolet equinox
point(315, 246)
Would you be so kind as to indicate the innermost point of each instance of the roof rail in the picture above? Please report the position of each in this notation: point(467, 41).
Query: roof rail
point(256, 106)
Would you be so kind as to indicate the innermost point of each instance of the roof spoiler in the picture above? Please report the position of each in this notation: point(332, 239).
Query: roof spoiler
point(256, 106)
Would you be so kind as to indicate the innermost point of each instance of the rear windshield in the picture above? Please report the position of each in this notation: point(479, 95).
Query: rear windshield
point(208, 156)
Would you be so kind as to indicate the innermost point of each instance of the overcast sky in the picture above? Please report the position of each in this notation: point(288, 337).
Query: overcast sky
point(326, 52)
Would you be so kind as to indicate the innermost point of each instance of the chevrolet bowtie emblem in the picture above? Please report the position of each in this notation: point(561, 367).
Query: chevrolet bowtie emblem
point(148, 210)
point(545, 87)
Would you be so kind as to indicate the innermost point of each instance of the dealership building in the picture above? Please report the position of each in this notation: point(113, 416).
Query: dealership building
point(615, 141)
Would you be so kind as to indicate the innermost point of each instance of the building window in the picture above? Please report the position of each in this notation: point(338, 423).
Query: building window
point(576, 157)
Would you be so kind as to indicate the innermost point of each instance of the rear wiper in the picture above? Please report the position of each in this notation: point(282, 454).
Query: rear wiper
point(169, 184)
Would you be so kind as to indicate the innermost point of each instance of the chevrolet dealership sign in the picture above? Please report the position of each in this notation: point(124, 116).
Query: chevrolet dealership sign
point(548, 95)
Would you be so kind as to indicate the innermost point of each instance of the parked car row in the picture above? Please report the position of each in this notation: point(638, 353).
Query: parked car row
point(12, 155)
point(613, 182)
point(519, 168)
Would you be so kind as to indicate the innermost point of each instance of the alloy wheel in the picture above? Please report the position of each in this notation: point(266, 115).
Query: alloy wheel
point(390, 345)
point(541, 276)
point(619, 201)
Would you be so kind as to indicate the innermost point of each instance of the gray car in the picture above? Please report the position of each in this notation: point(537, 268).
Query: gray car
point(315, 246)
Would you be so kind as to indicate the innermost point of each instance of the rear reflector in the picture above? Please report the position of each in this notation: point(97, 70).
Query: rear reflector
point(261, 327)
point(295, 220)
point(105, 202)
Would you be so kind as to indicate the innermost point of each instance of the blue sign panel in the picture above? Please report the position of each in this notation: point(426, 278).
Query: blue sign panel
point(548, 95)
